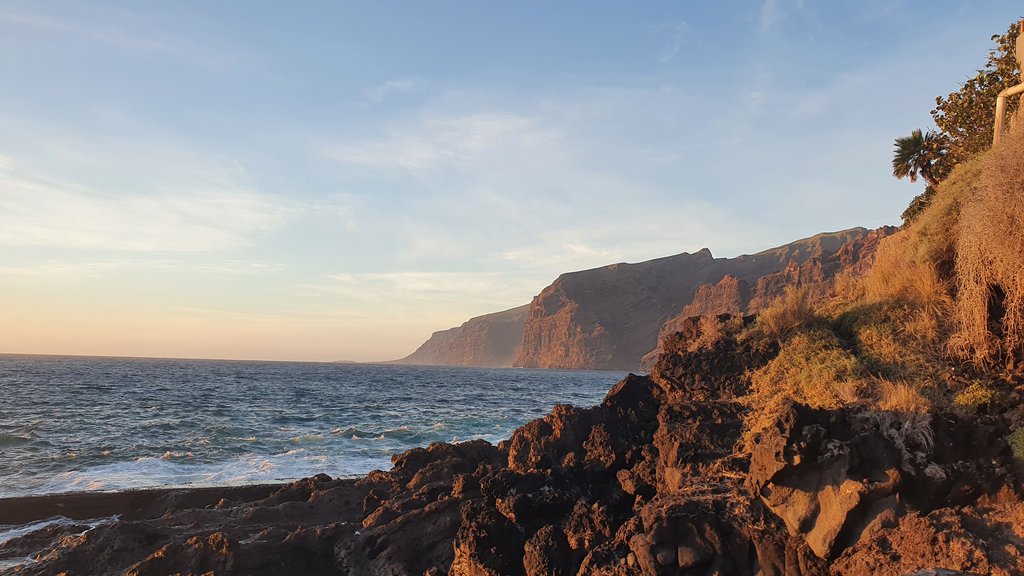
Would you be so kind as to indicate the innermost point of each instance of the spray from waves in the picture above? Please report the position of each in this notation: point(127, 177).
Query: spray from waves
point(8, 533)
point(112, 424)
point(11, 532)
point(176, 470)
point(437, 431)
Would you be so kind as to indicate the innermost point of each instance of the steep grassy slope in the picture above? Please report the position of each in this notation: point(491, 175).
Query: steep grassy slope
point(936, 324)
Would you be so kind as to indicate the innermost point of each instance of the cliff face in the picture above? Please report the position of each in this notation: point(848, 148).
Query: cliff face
point(609, 318)
point(490, 340)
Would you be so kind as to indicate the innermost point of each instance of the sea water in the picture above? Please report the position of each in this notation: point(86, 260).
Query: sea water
point(80, 423)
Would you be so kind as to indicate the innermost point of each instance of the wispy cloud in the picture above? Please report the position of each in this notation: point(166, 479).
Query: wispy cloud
point(61, 270)
point(415, 303)
point(91, 268)
point(531, 187)
point(566, 254)
point(129, 32)
point(380, 92)
point(41, 212)
point(241, 267)
point(773, 12)
point(444, 141)
point(676, 32)
point(418, 287)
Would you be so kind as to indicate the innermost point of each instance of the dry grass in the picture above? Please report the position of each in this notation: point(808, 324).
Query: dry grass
point(932, 235)
point(813, 369)
point(883, 341)
point(787, 314)
point(893, 342)
point(878, 345)
point(924, 326)
point(990, 257)
point(898, 277)
point(901, 396)
point(712, 330)
point(847, 287)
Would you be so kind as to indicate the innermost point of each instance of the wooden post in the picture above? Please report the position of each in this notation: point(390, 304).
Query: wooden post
point(1000, 121)
point(1000, 113)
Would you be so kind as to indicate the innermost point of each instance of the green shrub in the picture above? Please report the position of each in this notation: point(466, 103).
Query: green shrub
point(977, 394)
point(812, 368)
point(1016, 440)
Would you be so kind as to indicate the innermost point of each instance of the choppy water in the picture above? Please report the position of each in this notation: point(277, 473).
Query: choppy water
point(76, 423)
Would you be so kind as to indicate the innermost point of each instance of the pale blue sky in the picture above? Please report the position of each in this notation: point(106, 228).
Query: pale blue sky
point(328, 180)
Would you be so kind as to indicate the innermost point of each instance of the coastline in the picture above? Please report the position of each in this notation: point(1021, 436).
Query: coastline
point(648, 482)
point(257, 528)
point(656, 479)
point(135, 504)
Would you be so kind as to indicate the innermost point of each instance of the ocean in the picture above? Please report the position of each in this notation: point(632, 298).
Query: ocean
point(71, 424)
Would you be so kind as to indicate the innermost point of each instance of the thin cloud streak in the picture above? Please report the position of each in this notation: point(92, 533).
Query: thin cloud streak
point(382, 91)
point(132, 34)
point(37, 212)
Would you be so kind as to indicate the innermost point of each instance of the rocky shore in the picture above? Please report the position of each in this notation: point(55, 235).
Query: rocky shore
point(655, 480)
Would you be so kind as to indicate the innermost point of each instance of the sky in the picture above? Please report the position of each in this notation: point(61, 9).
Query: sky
point(336, 180)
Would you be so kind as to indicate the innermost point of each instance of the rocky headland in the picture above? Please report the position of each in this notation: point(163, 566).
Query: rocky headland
point(491, 340)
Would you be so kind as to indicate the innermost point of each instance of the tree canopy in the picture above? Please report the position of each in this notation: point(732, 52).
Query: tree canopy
point(965, 117)
point(919, 155)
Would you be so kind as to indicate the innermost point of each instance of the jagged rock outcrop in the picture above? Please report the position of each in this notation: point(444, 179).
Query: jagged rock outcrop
point(491, 340)
point(611, 317)
point(836, 476)
point(653, 481)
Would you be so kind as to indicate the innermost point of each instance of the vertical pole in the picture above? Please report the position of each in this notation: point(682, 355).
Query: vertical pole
point(1000, 112)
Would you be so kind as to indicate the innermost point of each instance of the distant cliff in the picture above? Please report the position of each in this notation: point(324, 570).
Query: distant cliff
point(490, 340)
point(609, 318)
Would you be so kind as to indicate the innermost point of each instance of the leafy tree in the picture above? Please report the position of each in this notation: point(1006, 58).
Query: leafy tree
point(917, 205)
point(920, 154)
point(964, 119)
point(966, 116)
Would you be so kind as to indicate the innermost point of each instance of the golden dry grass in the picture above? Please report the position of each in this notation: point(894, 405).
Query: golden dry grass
point(898, 276)
point(901, 396)
point(990, 257)
point(812, 368)
point(883, 341)
point(787, 314)
point(711, 330)
point(932, 235)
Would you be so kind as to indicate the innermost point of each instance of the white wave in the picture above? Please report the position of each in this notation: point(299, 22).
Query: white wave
point(11, 532)
point(178, 470)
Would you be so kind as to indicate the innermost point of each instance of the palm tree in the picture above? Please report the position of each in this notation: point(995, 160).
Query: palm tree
point(918, 155)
